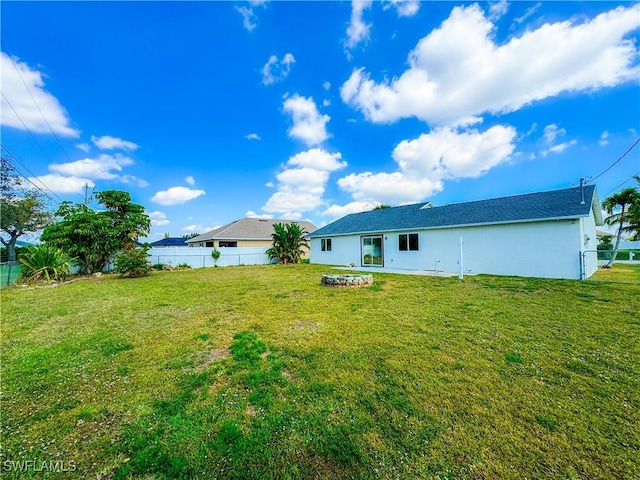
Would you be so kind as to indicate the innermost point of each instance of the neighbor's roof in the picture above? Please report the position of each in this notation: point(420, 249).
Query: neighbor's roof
point(248, 229)
point(556, 204)
point(170, 242)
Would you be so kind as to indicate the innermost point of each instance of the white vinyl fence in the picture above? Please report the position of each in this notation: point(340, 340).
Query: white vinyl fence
point(200, 257)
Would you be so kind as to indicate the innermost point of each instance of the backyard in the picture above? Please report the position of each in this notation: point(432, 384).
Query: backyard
point(261, 372)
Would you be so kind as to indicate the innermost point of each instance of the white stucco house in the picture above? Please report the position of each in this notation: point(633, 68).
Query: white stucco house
point(547, 234)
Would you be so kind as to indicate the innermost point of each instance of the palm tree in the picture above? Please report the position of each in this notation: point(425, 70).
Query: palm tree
point(634, 213)
point(288, 242)
point(628, 200)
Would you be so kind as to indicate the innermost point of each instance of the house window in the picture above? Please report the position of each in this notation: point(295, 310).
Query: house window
point(325, 244)
point(408, 241)
point(208, 244)
point(228, 244)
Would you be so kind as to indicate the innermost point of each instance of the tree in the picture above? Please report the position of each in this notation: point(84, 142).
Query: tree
point(22, 210)
point(92, 238)
point(634, 215)
point(288, 242)
point(605, 243)
point(382, 206)
point(627, 201)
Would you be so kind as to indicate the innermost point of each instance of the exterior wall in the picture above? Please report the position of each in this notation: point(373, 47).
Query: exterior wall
point(549, 249)
point(589, 245)
point(344, 251)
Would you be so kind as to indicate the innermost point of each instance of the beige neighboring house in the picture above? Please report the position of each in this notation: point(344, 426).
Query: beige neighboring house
point(246, 232)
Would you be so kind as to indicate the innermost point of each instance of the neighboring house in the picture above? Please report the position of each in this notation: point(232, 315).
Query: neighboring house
point(547, 234)
point(170, 242)
point(246, 232)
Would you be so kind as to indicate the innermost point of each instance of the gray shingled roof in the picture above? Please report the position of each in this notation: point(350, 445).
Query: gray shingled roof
point(555, 204)
point(248, 229)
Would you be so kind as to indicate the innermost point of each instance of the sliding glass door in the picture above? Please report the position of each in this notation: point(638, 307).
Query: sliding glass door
point(372, 251)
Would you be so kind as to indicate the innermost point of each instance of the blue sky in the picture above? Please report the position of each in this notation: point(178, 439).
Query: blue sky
point(211, 111)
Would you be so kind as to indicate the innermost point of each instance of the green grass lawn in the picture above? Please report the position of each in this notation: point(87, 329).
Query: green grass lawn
point(261, 372)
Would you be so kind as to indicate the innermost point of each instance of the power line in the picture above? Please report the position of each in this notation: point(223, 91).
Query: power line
point(52, 164)
point(30, 172)
point(590, 179)
point(36, 103)
point(47, 194)
point(630, 178)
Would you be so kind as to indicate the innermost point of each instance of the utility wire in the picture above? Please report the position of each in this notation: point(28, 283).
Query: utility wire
point(52, 164)
point(31, 173)
point(47, 194)
point(630, 178)
point(590, 179)
point(36, 103)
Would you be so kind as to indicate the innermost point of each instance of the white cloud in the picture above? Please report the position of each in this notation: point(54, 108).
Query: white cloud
point(445, 153)
point(199, 228)
point(252, 136)
point(252, 214)
point(530, 11)
point(32, 107)
point(158, 219)
point(497, 10)
point(292, 216)
point(308, 124)
point(425, 162)
point(405, 8)
point(561, 147)
point(338, 211)
point(553, 131)
point(318, 159)
point(63, 184)
point(457, 72)
point(326, 85)
point(190, 180)
point(107, 142)
point(358, 30)
point(176, 195)
point(326, 102)
point(102, 167)
point(301, 185)
point(85, 147)
point(248, 17)
point(393, 187)
point(275, 70)
point(603, 139)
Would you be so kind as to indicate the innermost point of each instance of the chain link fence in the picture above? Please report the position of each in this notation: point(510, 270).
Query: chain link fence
point(9, 273)
point(625, 268)
point(200, 257)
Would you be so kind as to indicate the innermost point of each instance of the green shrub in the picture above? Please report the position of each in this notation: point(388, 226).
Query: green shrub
point(44, 262)
point(133, 261)
point(183, 266)
point(215, 254)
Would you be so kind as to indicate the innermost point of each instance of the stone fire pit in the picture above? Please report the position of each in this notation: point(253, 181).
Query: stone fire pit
point(350, 280)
